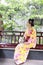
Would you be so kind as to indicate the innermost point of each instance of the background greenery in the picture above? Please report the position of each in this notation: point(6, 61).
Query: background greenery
point(13, 10)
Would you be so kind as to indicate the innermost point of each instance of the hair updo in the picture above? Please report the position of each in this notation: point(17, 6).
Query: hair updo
point(31, 21)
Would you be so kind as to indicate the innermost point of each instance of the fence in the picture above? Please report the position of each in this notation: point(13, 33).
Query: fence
point(10, 38)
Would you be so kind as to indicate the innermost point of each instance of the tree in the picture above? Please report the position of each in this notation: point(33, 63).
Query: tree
point(20, 9)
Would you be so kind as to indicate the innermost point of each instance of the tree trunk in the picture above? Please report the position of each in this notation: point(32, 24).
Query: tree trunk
point(1, 23)
point(1, 28)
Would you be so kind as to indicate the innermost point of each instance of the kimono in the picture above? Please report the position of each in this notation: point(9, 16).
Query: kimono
point(22, 50)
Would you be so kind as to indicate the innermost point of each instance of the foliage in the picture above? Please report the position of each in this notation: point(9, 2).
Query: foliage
point(20, 9)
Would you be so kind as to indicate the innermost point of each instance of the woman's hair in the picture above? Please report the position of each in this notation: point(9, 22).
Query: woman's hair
point(31, 21)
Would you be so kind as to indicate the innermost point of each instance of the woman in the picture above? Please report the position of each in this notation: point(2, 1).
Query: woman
point(22, 50)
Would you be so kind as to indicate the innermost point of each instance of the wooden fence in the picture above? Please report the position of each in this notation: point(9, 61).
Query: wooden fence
point(9, 39)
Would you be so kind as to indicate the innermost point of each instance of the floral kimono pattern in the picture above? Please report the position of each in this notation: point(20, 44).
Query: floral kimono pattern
point(22, 50)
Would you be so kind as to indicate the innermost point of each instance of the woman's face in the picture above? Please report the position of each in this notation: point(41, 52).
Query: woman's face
point(28, 25)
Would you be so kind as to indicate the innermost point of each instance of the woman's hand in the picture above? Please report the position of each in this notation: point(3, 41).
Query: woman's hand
point(26, 43)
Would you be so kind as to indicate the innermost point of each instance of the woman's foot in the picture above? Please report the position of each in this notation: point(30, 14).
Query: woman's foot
point(19, 64)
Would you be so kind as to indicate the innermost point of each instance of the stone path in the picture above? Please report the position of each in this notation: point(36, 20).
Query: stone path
point(28, 62)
